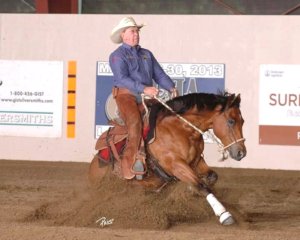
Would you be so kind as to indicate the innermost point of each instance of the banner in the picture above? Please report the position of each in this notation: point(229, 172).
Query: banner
point(188, 78)
point(279, 104)
point(31, 98)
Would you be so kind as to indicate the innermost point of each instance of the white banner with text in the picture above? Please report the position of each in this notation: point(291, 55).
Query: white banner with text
point(31, 98)
point(279, 104)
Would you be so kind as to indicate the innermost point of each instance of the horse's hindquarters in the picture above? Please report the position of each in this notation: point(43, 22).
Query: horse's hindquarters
point(95, 172)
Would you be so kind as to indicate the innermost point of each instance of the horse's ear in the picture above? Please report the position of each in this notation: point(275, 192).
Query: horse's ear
point(234, 100)
point(230, 100)
point(237, 100)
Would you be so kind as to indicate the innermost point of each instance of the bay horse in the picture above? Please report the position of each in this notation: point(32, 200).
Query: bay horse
point(177, 149)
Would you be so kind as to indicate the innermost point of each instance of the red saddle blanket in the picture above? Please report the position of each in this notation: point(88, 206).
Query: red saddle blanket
point(116, 135)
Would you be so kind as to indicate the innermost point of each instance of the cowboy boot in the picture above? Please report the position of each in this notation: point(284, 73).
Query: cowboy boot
point(129, 112)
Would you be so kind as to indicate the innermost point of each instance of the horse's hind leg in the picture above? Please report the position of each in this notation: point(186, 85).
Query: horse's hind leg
point(95, 173)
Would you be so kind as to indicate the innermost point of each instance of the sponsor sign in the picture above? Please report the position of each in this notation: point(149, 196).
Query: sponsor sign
point(31, 95)
point(279, 104)
point(188, 78)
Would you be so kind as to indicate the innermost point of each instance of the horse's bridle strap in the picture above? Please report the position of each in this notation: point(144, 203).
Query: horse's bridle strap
point(234, 142)
point(180, 117)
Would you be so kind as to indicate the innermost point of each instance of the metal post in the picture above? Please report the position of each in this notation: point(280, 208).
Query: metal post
point(79, 6)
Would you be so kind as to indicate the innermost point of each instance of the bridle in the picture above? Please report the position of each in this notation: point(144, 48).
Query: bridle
point(222, 149)
point(235, 140)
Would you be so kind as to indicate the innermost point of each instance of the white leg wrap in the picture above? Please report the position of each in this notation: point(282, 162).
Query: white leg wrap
point(215, 204)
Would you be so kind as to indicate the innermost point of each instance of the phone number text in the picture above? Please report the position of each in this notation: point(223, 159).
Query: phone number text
point(26, 93)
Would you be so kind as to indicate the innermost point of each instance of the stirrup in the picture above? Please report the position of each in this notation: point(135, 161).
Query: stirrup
point(138, 169)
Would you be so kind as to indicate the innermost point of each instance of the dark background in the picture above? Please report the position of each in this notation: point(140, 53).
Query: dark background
point(219, 7)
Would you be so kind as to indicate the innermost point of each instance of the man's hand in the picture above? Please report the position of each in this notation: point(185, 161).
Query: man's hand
point(151, 91)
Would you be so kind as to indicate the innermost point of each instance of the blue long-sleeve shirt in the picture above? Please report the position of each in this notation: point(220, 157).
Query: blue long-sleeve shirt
point(134, 68)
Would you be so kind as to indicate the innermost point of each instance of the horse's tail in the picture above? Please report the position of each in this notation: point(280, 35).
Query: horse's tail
point(155, 109)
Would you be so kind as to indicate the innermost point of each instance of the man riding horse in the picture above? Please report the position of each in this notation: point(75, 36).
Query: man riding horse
point(185, 118)
point(134, 69)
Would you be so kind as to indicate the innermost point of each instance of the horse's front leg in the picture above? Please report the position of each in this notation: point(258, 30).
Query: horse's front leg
point(185, 173)
point(209, 176)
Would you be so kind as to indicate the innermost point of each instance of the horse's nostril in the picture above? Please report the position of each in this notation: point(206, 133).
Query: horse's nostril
point(240, 155)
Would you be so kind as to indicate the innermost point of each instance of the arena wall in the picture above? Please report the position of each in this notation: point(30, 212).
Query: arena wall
point(242, 43)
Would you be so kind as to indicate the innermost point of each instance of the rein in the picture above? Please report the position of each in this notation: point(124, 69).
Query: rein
point(222, 148)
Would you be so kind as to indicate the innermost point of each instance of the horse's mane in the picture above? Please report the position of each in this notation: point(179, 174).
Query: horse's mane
point(203, 101)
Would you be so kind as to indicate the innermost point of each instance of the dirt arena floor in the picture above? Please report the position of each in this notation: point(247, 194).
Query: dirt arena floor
point(53, 200)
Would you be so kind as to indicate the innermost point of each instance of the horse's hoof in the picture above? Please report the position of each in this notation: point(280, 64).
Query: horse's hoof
point(226, 219)
point(212, 178)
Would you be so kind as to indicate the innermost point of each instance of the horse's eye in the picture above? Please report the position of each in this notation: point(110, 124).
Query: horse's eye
point(230, 122)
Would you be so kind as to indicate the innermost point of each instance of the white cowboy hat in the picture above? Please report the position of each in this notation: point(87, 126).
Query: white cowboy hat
point(126, 22)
